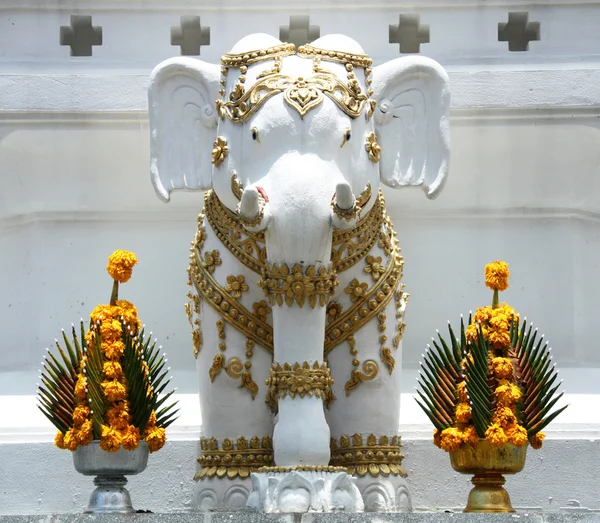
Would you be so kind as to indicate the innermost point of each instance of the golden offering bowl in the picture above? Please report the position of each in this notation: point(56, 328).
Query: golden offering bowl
point(488, 463)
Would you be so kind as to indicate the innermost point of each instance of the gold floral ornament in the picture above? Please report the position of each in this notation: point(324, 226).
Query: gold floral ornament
point(356, 290)
point(281, 284)
point(234, 458)
point(261, 309)
point(212, 260)
point(236, 285)
point(101, 388)
point(299, 379)
point(220, 151)
point(371, 455)
point(373, 148)
point(374, 267)
point(493, 383)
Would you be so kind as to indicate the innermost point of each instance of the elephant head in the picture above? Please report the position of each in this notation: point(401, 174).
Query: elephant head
point(292, 127)
point(297, 144)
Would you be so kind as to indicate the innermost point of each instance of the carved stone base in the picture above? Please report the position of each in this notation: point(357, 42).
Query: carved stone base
point(304, 491)
point(384, 494)
point(221, 494)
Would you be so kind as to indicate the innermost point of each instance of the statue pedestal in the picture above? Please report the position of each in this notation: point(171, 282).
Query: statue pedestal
point(322, 489)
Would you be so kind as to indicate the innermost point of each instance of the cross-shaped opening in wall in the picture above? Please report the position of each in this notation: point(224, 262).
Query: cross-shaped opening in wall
point(409, 33)
point(299, 32)
point(190, 35)
point(518, 31)
point(81, 35)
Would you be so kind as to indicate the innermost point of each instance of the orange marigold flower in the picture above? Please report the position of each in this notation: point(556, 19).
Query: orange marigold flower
point(461, 389)
point(59, 440)
point(502, 368)
point(131, 438)
point(517, 435)
point(495, 435)
point(110, 441)
point(505, 416)
point(120, 265)
point(483, 315)
point(80, 386)
point(118, 416)
point(155, 438)
point(537, 440)
point(104, 312)
point(85, 434)
point(111, 330)
point(437, 438)
point(451, 439)
point(508, 393)
point(496, 275)
point(463, 413)
point(80, 415)
point(499, 338)
point(112, 370)
point(70, 441)
point(114, 391)
point(114, 350)
point(469, 435)
point(130, 315)
point(152, 420)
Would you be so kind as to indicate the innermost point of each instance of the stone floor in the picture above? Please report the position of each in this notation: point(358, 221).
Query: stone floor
point(252, 517)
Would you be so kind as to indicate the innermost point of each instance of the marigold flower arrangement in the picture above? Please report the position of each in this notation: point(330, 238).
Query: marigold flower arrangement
point(108, 383)
point(497, 382)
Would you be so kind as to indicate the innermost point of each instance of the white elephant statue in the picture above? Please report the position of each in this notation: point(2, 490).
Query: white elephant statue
point(296, 302)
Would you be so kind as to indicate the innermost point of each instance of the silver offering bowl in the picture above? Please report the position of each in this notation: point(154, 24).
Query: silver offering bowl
point(110, 469)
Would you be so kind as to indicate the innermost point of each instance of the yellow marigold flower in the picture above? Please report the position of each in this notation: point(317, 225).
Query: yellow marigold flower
point(156, 439)
point(114, 391)
point(537, 440)
point(461, 389)
point(129, 314)
point(104, 312)
point(496, 275)
point(472, 331)
point(505, 416)
point(508, 393)
point(502, 368)
point(80, 415)
point(118, 416)
point(114, 350)
point(85, 435)
point(451, 439)
point(152, 420)
point(469, 435)
point(69, 441)
point(112, 370)
point(499, 338)
point(483, 315)
point(110, 441)
point(120, 265)
point(495, 435)
point(110, 330)
point(80, 386)
point(437, 438)
point(463, 413)
point(59, 440)
point(517, 435)
point(131, 438)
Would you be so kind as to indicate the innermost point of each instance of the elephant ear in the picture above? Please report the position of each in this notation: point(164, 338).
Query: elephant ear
point(412, 123)
point(181, 101)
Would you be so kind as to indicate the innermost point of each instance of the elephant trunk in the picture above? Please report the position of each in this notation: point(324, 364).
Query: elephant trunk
point(296, 209)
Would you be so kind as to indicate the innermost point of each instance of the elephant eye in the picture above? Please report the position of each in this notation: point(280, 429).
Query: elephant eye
point(347, 136)
point(254, 132)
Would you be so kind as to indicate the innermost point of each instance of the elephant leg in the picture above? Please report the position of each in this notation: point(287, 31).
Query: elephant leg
point(364, 418)
point(236, 423)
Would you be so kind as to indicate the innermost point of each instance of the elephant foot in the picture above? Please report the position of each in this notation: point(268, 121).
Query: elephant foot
point(384, 494)
point(221, 494)
point(301, 490)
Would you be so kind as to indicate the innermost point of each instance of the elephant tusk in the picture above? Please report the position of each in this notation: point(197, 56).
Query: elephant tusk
point(345, 210)
point(253, 209)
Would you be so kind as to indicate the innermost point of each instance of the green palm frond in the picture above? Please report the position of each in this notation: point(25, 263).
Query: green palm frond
point(538, 379)
point(94, 371)
point(477, 378)
point(56, 395)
